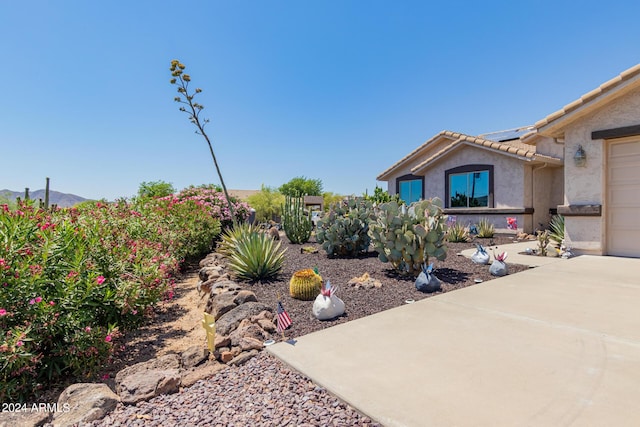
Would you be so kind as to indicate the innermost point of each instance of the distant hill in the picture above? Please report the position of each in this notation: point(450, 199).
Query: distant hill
point(63, 200)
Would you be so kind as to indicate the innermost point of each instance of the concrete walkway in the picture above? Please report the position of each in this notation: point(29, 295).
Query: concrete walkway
point(515, 253)
point(558, 345)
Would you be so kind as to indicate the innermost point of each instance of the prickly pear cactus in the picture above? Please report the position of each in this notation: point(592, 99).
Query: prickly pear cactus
point(344, 230)
point(305, 285)
point(408, 238)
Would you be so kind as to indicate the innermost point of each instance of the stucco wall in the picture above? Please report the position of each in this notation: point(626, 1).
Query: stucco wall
point(508, 175)
point(548, 192)
point(586, 185)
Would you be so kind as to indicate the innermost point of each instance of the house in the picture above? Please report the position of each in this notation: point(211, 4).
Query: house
point(583, 162)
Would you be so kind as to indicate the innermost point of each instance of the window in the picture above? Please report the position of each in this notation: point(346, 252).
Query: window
point(469, 186)
point(410, 188)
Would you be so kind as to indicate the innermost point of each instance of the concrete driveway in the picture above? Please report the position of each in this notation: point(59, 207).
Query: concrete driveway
point(558, 345)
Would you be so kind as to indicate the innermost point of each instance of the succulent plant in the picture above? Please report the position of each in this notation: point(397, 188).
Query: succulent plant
point(407, 238)
point(485, 228)
point(344, 230)
point(296, 224)
point(233, 235)
point(305, 284)
point(256, 256)
point(457, 233)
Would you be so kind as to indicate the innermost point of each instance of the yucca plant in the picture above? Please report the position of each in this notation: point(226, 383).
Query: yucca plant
point(233, 235)
point(256, 257)
point(485, 228)
point(457, 233)
point(556, 229)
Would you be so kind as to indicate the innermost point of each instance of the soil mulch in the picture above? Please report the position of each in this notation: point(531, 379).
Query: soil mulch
point(455, 272)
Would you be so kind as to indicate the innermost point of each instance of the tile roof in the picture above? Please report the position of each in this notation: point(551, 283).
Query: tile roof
point(604, 89)
point(515, 148)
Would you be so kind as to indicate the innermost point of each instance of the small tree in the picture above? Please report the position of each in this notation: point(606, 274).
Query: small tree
point(301, 186)
point(267, 203)
point(193, 110)
point(155, 189)
point(381, 196)
point(330, 198)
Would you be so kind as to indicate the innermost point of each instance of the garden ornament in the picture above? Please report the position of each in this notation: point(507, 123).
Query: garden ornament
point(498, 266)
point(327, 305)
point(426, 281)
point(480, 256)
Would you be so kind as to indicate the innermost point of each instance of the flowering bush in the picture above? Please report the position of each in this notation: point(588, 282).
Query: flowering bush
point(70, 279)
point(214, 200)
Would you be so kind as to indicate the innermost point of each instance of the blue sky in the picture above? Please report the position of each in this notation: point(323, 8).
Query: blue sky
point(333, 90)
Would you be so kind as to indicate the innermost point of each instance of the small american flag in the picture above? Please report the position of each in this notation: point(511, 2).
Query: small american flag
point(284, 321)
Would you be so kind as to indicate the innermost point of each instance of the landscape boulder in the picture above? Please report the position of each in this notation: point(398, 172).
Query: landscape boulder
point(230, 321)
point(83, 403)
point(145, 380)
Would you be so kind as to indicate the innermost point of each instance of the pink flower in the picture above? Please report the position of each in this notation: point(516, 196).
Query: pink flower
point(51, 303)
point(100, 280)
point(32, 301)
point(3, 312)
point(19, 344)
point(105, 377)
point(38, 299)
point(87, 329)
point(107, 338)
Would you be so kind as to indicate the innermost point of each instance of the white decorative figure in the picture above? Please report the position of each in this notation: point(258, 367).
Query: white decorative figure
point(327, 305)
point(498, 266)
point(480, 256)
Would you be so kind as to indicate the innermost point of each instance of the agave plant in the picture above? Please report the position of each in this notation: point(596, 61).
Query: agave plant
point(457, 233)
point(233, 235)
point(256, 257)
point(556, 229)
point(485, 228)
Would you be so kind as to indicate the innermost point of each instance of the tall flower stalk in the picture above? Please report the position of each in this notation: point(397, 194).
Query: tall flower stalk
point(193, 109)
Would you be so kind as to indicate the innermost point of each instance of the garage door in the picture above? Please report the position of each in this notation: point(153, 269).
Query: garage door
point(623, 197)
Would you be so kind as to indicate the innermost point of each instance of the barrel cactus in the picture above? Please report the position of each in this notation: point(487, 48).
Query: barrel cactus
point(344, 230)
point(408, 238)
point(305, 284)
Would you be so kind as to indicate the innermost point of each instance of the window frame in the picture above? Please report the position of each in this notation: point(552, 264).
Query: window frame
point(466, 169)
point(410, 177)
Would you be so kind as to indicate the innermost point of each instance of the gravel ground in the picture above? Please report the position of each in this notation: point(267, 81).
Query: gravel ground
point(455, 272)
point(265, 392)
point(262, 392)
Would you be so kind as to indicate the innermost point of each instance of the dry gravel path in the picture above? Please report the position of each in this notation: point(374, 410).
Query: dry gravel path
point(262, 392)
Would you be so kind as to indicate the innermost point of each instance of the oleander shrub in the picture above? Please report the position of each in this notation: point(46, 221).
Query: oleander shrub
point(72, 279)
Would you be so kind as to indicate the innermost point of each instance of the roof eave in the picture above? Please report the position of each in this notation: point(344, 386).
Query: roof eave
point(554, 124)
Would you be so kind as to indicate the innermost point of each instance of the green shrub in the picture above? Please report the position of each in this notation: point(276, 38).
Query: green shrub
point(256, 256)
point(485, 228)
point(267, 203)
point(556, 229)
point(344, 230)
point(296, 223)
point(70, 279)
point(407, 238)
point(457, 233)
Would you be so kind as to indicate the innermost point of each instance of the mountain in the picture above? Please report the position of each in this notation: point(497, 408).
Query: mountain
point(63, 200)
